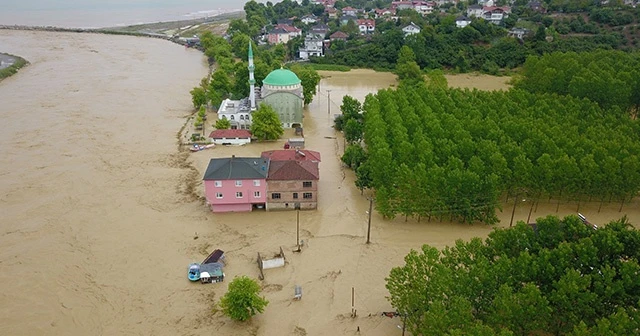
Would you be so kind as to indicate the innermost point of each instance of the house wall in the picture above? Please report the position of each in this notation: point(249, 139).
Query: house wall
point(233, 141)
point(286, 189)
point(231, 207)
point(287, 105)
point(229, 200)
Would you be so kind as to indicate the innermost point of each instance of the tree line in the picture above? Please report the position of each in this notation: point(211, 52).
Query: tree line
point(558, 277)
point(428, 151)
point(610, 78)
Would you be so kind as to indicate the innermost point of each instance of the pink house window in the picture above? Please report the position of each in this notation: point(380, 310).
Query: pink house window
point(239, 194)
point(218, 195)
point(238, 183)
point(218, 184)
point(256, 194)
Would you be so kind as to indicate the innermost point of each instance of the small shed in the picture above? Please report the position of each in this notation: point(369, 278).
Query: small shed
point(230, 137)
point(296, 143)
point(211, 273)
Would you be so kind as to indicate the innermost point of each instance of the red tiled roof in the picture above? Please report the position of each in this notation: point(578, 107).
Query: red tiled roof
point(339, 34)
point(346, 9)
point(230, 134)
point(293, 170)
point(367, 22)
point(288, 28)
point(291, 154)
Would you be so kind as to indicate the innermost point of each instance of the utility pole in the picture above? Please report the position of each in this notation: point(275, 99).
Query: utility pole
point(298, 230)
point(369, 225)
point(513, 212)
point(328, 102)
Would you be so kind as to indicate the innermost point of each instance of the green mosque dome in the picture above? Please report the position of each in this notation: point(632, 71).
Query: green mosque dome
point(281, 77)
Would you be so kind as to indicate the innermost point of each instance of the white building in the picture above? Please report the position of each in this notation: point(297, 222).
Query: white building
point(313, 46)
point(411, 29)
point(230, 137)
point(308, 19)
point(366, 26)
point(462, 21)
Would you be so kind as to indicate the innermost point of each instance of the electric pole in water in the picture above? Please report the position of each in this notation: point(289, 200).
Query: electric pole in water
point(369, 225)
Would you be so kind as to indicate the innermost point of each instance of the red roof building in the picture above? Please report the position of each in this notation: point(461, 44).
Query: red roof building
point(292, 181)
point(230, 136)
point(291, 154)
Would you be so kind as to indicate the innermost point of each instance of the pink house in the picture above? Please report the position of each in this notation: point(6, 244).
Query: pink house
point(236, 184)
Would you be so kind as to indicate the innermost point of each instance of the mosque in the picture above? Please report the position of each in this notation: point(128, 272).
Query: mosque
point(281, 89)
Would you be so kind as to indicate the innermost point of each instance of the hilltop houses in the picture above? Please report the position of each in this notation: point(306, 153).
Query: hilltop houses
point(277, 180)
point(411, 29)
point(313, 46)
point(282, 33)
point(489, 12)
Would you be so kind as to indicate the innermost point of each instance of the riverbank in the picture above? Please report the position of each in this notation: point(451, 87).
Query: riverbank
point(171, 30)
point(10, 64)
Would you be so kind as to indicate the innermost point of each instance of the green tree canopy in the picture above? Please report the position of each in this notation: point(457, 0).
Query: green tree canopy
point(222, 124)
point(198, 97)
point(559, 277)
point(242, 300)
point(265, 124)
point(309, 78)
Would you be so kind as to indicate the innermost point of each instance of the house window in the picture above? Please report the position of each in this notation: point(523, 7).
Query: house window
point(256, 194)
point(238, 183)
point(307, 195)
point(241, 117)
point(218, 184)
point(256, 183)
point(306, 184)
point(218, 195)
point(295, 195)
point(239, 194)
point(232, 118)
point(275, 196)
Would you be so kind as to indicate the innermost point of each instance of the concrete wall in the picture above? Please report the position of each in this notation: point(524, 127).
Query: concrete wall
point(229, 201)
point(231, 207)
point(286, 189)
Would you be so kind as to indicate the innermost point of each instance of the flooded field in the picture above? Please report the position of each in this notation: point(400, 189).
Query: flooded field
point(101, 206)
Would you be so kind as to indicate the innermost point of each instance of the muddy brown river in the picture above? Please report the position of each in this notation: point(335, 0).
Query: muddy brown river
point(100, 206)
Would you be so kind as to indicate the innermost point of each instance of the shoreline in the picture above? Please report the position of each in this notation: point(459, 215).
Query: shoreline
point(149, 30)
point(18, 63)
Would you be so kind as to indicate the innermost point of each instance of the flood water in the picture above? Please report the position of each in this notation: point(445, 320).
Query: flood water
point(101, 207)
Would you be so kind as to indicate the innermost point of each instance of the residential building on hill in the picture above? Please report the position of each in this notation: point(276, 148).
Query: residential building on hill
point(349, 11)
point(462, 21)
point(313, 46)
point(366, 26)
point(411, 29)
point(236, 184)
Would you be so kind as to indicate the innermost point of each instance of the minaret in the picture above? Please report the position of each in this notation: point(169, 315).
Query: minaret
point(252, 81)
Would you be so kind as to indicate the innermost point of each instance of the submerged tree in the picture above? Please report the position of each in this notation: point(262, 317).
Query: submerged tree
point(242, 301)
point(223, 123)
point(265, 124)
point(558, 277)
point(309, 79)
